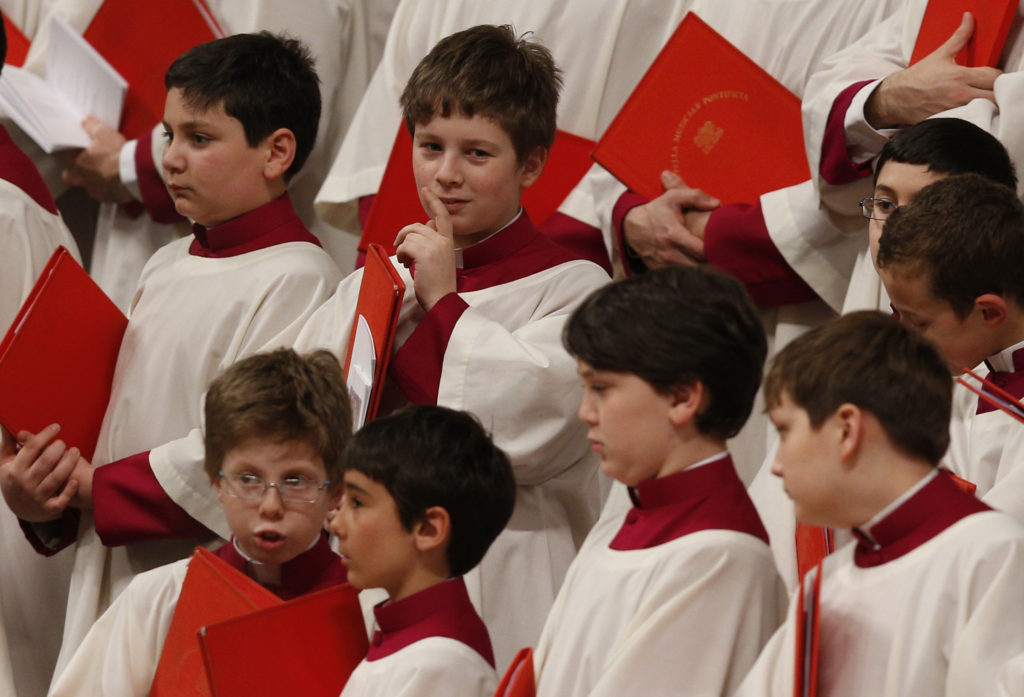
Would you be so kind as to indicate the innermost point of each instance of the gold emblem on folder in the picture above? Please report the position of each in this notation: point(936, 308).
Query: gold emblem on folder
point(708, 136)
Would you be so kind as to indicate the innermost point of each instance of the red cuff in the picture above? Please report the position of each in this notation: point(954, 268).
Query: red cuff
point(129, 505)
point(629, 200)
point(836, 167)
point(365, 204)
point(155, 198)
point(68, 532)
point(736, 240)
point(416, 367)
point(585, 241)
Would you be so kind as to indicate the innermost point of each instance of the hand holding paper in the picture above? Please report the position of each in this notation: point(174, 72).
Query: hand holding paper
point(430, 248)
point(36, 482)
point(935, 83)
point(658, 230)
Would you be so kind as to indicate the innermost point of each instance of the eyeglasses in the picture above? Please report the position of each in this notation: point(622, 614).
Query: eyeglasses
point(877, 208)
point(252, 487)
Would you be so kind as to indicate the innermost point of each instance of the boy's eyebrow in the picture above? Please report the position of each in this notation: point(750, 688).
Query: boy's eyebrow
point(355, 488)
point(883, 189)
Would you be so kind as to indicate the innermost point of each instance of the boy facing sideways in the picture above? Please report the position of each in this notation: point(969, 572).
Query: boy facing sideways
point(928, 599)
point(951, 262)
point(670, 361)
point(241, 116)
point(277, 425)
point(482, 316)
point(426, 491)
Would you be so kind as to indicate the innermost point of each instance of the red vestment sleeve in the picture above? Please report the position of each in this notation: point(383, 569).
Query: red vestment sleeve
point(416, 367)
point(155, 198)
point(585, 241)
point(836, 167)
point(129, 505)
point(59, 533)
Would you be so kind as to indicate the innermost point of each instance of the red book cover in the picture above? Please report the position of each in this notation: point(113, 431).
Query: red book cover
point(17, 43)
point(58, 357)
point(141, 40)
point(711, 115)
point(397, 202)
point(308, 646)
point(213, 591)
point(992, 20)
point(813, 543)
point(518, 680)
point(379, 303)
point(808, 620)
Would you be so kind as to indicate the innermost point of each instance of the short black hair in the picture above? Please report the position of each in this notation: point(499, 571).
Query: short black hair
point(429, 456)
point(950, 146)
point(672, 327)
point(264, 80)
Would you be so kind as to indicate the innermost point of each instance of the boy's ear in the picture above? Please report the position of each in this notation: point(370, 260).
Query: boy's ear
point(532, 167)
point(687, 401)
point(434, 530)
point(281, 147)
point(850, 430)
point(993, 309)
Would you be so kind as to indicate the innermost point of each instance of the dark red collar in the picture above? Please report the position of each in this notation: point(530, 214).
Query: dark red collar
point(1011, 381)
point(939, 504)
point(709, 497)
point(443, 610)
point(18, 169)
point(515, 252)
point(271, 224)
point(315, 569)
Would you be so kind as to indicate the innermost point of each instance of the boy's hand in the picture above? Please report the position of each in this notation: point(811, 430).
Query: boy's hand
point(430, 248)
point(669, 230)
point(933, 84)
point(36, 478)
point(97, 169)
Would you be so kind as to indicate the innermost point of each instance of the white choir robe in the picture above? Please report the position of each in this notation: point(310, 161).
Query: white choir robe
point(191, 318)
point(31, 587)
point(428, 668)
point(940, 620)
point(504, 363)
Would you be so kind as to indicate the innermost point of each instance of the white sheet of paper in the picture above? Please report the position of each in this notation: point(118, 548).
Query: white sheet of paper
point(361, 368)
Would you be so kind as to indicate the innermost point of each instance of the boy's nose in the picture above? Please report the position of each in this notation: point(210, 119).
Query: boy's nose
point(449, 172)
point(586, 412)
point(776, 468)
point(271, 505)
point(172, 160)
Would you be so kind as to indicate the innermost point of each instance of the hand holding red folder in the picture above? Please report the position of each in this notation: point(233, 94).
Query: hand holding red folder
point(37, 477)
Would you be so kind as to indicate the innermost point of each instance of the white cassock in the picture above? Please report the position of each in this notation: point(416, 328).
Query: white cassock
point(192, 317)
point(635, 613)
point(431, 643)
point(501, 359)
point(32, 588)
point(941, 617)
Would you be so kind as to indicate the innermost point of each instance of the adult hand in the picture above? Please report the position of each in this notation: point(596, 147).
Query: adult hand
point(933, 84)
point(658, 230)
point(36, 482)
point(97, 168)
point(430, 247)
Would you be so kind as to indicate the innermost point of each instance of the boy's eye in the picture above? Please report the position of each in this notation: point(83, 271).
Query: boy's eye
point(249, 479)
point(200, 139)
point(167, 135)
point(478, 153)
point(430, 147)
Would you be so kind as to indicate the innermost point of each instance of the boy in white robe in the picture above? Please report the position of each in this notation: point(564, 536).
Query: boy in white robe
point(951, 262)
point(928, 599)
point(426, 491)
point(670, 361)
point(250, 275)
point(277, 428)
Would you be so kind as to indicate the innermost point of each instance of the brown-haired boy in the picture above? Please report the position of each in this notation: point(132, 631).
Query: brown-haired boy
point(928, 600)
point(277, 427)
point(951, 262)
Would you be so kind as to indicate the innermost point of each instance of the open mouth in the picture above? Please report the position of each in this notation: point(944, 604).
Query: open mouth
point(268, 539)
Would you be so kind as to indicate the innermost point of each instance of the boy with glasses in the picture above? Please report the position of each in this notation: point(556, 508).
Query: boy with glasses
point(277, 426)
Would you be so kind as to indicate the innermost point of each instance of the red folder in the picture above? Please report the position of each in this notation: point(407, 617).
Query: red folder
point(57, 359)
point(813, 544)
point(380, 300)
point(397, 202)
point(141, 40)
point(17, 43)
point(213, 591)
point(308, 646)
point(518, 680)
point(808, 618)
point(992, 20)
point(711, 115)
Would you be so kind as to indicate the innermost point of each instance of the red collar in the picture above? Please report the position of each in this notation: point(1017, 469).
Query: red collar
point(443, 610)
point(315, 569)
point(271, 224)
point(709, 497)
point(1008, 381)
point(18, 169)
point(939, 504)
